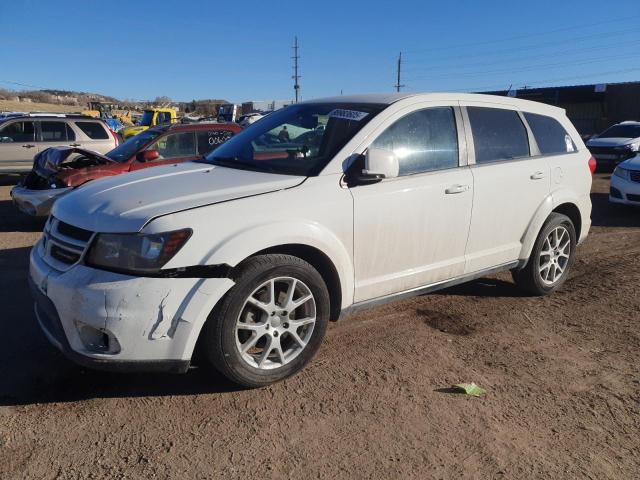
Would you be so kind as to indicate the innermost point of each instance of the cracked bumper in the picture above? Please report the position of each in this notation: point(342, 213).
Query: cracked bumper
point(151, 323)
point(36, 203)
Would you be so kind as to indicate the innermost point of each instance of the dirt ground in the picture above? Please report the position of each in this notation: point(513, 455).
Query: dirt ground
point(13, 106)
point(562, 378)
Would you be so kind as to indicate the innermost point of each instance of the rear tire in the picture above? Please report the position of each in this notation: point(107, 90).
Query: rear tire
point(551, 258)
point(270, 324)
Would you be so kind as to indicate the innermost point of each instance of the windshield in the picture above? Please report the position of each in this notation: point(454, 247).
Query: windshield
point(621, 131)
point(129, 148)
point(297, 140)
point(147, 119)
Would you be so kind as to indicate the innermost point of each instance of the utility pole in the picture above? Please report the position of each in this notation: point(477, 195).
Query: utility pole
point(295, 76)
point(398, 85)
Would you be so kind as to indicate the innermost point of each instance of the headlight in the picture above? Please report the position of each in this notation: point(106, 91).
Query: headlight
point(634, 147)
point(621, 172)
point(136, 252)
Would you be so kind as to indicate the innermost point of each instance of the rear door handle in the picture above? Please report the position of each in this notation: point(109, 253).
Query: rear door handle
point(537, 176)
point(456, 189)
point(28, 145)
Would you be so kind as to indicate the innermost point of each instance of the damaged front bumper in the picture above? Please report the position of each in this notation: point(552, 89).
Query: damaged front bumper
point(119, 322)
point(36, 203)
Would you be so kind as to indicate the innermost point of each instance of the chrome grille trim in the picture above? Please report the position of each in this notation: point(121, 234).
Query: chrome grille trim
point(52, 236)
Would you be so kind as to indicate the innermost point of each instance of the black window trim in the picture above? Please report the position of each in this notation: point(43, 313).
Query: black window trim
point(22, 120)
point(533, 140)
point(533, 146)
point(463, 158)
point(166, 134)
point(38, 130)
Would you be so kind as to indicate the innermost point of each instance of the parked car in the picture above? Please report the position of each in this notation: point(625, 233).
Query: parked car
point(249, 118)
point(252, 250)
point(151, 118)
point(57, 171)
point(616, 144)
point(625, 182)
point(23, 136)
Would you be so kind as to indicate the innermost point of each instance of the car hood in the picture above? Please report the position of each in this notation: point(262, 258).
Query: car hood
point(125, 203)
point(610, 142)
point(631, 164)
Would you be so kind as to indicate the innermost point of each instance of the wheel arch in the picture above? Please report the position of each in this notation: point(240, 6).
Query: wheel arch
point(556, 203)
point(318, 260)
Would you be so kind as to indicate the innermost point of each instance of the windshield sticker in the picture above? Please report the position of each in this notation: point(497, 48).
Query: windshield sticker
point(347, 114)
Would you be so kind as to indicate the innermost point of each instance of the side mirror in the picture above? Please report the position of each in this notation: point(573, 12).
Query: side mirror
point(379, 164)
point(147, 156)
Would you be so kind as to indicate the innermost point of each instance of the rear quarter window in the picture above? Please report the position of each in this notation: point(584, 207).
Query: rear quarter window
point(498, 134)
point(550, 136)
point(93, 130)
point(209, 140)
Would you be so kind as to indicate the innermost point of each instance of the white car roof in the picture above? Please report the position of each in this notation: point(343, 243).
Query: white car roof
point(389, 98)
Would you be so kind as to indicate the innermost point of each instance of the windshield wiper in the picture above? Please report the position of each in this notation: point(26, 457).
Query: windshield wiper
point(235, 162)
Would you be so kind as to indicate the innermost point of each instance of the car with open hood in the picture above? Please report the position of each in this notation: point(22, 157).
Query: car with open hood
point(57, 171)
point(616, 144)
point(318, 210)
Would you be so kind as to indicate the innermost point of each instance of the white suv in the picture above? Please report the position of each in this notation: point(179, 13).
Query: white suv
point(320, 209)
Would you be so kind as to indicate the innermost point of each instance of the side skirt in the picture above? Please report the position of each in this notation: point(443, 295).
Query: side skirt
point(395, 297)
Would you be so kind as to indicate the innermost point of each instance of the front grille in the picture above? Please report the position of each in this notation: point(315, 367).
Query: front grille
point(612, 153)
point(74, 232)
point(63, 255)
point(63, 245)
point(634, 175)
point(633, 198)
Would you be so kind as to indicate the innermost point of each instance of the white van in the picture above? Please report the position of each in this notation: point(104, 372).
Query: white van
point(316, 211)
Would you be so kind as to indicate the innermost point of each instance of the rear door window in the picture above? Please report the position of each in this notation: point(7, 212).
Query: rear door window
point(17, 132)
point(55, 132)
point(550, 136)
point(423, 141)
point(498, 134)
point(208, 140)
point(175, 145)
point(93, 130)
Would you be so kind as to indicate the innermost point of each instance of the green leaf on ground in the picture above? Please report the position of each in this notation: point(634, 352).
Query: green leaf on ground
point(470, 389)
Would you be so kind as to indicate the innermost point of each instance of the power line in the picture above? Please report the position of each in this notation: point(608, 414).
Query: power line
point(534, 46)
point(526, 68)
point(548, 81)
point(295, 76)
point(520, 58)
point(529, 35)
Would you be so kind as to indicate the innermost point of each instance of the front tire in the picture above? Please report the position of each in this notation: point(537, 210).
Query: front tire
point(270, 324)
point(551, 259)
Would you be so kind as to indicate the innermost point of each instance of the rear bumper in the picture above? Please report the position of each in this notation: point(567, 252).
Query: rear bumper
point(36, 203)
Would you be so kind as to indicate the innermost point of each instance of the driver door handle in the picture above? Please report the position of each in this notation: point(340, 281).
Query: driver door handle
point(456, 189)
point(537, 176)
point(74, 145)
point(28, 145)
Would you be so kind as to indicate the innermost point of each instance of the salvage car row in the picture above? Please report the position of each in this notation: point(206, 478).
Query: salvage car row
point(56, 171)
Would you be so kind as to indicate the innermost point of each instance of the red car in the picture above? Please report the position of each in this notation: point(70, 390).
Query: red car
point(58, 170)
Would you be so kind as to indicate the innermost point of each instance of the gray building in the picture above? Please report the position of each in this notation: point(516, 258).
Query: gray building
point(591, 108)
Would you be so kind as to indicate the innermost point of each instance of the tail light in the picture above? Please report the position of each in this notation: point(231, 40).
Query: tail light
point(592, 165)
point(115, 137)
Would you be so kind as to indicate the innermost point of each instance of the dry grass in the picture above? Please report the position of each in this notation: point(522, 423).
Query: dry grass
point(13, 106)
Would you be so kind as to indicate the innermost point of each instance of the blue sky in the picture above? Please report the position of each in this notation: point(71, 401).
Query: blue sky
point(240, 50)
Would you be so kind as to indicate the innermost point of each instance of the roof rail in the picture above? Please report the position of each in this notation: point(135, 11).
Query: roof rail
point(46, 114)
